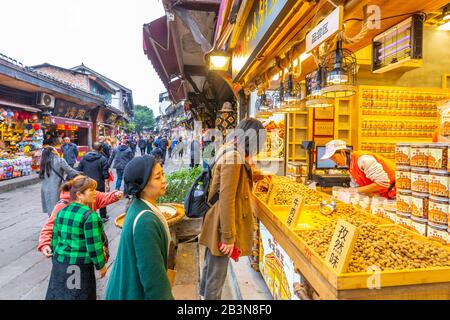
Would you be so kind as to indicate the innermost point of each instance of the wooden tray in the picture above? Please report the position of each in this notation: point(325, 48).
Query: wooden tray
point(350, 281)
point(172, 221)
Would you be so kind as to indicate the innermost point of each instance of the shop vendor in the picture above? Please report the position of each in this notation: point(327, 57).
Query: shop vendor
point(370, 173)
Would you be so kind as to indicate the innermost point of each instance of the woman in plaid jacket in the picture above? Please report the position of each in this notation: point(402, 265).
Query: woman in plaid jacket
point(77, 245)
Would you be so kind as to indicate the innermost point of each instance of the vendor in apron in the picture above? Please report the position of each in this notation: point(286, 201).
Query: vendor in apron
point(370, 173)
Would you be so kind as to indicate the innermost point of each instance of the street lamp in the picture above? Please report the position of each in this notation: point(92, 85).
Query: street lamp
point(218, 61)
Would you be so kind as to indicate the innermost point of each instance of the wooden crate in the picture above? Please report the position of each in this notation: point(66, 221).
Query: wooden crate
point(426, 283)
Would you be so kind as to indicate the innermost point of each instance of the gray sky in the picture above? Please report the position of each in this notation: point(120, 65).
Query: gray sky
point(106, 35)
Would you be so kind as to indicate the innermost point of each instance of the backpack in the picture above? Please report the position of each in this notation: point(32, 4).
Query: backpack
point(197, 207)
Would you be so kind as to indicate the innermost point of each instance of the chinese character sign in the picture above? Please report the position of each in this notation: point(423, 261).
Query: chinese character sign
point(70, 110)
point(295, 211)
point(341, 246)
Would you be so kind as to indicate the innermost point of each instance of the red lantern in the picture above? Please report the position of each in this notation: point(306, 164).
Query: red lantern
point(16, 115)
point(36, 126)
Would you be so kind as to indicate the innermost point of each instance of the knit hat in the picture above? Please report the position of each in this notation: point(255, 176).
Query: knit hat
point(136, 174)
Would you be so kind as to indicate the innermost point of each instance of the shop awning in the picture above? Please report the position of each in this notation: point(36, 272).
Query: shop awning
point(160, 48)
point(71, 122)
point(18, 105)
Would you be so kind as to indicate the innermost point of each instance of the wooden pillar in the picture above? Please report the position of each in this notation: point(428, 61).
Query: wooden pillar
point(243, 105)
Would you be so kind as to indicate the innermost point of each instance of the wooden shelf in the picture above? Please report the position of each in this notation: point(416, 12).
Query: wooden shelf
point(402, 118)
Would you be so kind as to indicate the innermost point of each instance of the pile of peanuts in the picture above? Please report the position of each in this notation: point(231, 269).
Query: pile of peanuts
point(386, 248)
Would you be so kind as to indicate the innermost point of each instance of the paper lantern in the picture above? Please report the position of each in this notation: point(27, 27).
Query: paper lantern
point(36, 126)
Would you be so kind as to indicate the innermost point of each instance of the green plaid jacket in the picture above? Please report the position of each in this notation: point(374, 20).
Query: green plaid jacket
point(75, 241)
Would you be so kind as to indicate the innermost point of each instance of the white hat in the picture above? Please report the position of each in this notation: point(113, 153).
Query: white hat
point(333, 146)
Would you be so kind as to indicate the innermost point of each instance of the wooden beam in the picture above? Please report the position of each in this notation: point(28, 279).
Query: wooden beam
point(192, 83)
point(201, 5)
point(195, 70)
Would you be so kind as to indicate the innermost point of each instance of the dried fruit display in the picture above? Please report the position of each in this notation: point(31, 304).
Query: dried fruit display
point(354, 216)
point(385, 247)
point(283, 194)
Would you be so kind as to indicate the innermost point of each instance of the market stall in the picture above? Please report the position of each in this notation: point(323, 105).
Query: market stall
point(70, 120)
point(398, 263)
point(21, 138)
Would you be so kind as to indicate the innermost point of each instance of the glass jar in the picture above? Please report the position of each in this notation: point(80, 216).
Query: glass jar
point(419, 155)
point(438, 156)
point(419, 205)
point(438, 183)
point(404, 201)
point(438, 210)
point(402, 154)
point(403, 178)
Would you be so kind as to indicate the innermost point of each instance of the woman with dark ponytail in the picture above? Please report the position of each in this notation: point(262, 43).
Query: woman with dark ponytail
point(52, 172)
point(140, 267)
point(77, 245)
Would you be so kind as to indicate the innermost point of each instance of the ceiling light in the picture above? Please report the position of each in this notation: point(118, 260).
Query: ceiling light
point(219, 61)
point(445, 26)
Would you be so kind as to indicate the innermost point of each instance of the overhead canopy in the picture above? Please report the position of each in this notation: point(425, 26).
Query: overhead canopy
point(160, 48)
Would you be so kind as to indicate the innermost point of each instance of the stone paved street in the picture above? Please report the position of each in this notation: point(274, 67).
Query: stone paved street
point(24, 272)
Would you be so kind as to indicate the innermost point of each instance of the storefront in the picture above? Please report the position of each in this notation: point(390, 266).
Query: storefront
point(107, 124)
point(21, 138)
point(73, 121)
point(376, 104)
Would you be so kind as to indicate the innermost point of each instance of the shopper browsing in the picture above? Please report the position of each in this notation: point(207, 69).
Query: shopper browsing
point(229, 222)
point(101, 200)
point(77, 244)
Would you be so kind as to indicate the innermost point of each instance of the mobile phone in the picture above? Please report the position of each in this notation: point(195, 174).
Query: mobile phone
point(235, 254)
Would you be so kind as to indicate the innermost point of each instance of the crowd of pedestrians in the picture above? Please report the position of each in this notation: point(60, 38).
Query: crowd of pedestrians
point(74, 234)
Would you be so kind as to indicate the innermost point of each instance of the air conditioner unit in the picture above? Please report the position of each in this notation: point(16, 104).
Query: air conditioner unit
point(45, 100)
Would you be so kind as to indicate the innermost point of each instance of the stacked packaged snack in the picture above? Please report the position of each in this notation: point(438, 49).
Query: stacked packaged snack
point(424, 182)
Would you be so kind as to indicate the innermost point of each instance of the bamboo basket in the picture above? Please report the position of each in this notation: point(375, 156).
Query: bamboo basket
point(171, 221)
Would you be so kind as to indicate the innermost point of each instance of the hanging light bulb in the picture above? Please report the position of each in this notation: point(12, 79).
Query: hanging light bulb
point(338, 75)
point(290, 95)
point(316, 89)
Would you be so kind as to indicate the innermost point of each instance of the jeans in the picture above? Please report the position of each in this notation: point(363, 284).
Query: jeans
point(142, 151)
point(213, 277)
point(102, 211)
point(119, 178)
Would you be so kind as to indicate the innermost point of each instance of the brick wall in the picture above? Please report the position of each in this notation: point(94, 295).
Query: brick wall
point(78, 80)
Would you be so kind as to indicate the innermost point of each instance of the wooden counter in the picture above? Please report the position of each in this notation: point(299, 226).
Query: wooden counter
point(426, 283)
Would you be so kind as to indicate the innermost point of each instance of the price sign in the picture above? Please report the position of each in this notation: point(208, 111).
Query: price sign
point(325, 29)
point(294, 213)
point(341, 246)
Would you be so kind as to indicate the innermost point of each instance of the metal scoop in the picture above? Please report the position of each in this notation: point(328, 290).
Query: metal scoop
point(327, 208)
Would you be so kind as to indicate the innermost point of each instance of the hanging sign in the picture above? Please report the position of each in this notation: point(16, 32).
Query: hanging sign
point(262, 19)
point(324, 30)
point(71, 110)
point(294, 213)
point(341, 247)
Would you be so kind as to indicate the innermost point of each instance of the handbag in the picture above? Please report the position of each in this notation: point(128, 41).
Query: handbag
point(110, 177)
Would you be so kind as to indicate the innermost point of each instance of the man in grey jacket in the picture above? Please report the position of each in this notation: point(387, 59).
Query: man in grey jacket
point(70, 152)
point(120, 158)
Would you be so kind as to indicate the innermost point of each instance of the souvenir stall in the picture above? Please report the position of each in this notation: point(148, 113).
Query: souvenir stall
point(21, 137)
